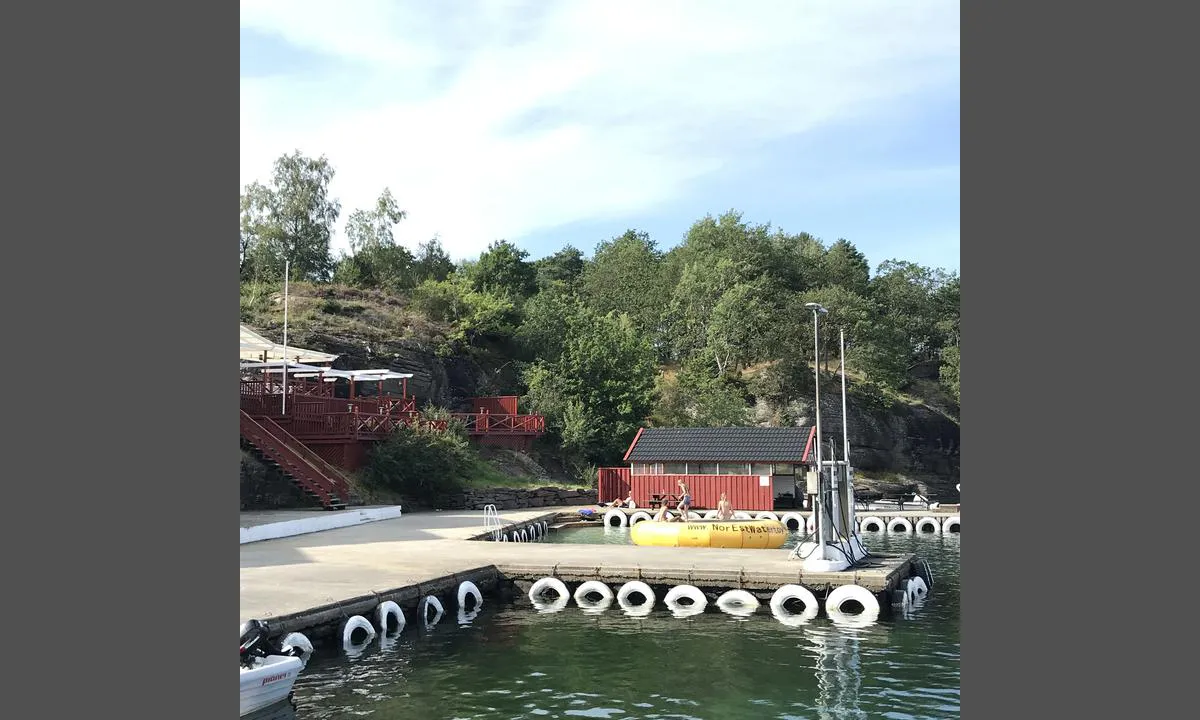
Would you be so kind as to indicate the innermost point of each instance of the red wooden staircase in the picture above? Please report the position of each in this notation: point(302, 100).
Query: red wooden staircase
point(306, 469)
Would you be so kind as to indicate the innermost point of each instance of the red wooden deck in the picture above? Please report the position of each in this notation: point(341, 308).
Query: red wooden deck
point(340, 429)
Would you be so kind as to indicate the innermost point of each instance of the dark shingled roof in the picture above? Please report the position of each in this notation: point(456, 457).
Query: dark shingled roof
point(733, 444)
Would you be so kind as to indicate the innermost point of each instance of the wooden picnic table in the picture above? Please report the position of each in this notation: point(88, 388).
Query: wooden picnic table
point(656, 500)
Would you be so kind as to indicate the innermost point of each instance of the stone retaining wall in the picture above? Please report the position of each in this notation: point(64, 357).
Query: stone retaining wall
point(516, 498)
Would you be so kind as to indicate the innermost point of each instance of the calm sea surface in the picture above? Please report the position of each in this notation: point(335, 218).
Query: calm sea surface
point(512, 662)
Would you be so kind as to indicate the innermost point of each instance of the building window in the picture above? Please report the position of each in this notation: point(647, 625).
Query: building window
point(674, 468)
point(706, 469)
point(762, 469)
point(785, 469)
point(731, 468)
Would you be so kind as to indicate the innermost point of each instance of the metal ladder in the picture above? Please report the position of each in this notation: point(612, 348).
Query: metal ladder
point(491, 521)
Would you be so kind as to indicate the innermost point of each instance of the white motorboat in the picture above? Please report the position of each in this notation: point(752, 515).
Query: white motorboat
point(268, 673)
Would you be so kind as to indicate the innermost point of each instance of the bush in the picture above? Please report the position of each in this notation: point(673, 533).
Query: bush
point(420, 462)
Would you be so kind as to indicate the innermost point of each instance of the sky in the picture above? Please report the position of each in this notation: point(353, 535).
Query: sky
point(570, 122)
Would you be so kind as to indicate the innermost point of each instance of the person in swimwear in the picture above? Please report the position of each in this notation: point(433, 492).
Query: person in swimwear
point(685, 502)
point(661, 515)
point(724, 508)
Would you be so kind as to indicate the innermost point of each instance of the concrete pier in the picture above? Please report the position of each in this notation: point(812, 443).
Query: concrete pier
point(300, 582)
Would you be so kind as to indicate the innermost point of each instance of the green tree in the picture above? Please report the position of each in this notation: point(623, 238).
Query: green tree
point(290, 220)
point(376, 260)
point(541, 333)
point(741, 325)
point(906, 293)
point(949, 371)
point(625, 276)
point(373, 228)
point(564, 266)
point(599, 391)
point(473, 314)
point(432, 262)
point(799, 261)
point(846, 267)
point(696, 397)
point(503, 269)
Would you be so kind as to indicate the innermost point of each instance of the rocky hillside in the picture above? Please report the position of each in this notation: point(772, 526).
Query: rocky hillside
point(899, 444)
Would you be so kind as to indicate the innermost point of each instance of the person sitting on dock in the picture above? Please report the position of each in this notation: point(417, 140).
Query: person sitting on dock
point(685, 501)
point(627, 502)
point(724, 508)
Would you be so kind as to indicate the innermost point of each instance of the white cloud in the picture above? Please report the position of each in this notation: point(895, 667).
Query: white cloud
point(527, 116)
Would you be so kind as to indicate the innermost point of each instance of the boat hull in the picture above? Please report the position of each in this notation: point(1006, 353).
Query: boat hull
point(746, 534)
point(268, 681)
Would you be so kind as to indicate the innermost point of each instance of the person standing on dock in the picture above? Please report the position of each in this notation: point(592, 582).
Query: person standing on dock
point(685, 502)
point(724, 508)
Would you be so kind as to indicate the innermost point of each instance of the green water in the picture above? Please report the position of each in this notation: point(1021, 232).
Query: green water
point(512, 662)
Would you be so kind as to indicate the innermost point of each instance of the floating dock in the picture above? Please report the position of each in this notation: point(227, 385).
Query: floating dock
point(300, 583)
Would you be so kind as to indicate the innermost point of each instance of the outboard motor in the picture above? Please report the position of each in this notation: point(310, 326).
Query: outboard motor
point(254, 641)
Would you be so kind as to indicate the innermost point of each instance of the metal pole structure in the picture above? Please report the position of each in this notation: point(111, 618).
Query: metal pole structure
point(820, 506)
point(286, 268)
point(849, 510)
point(845, 432)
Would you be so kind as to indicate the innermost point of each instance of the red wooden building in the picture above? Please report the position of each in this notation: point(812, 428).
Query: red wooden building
point(759, 468)
point(317, 423)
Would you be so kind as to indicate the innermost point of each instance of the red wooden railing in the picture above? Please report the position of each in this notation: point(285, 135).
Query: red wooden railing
point(312, 415)
point(340, 481)
point(293, 457)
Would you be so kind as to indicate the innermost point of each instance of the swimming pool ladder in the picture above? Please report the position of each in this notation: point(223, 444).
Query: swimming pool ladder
point(491, 521)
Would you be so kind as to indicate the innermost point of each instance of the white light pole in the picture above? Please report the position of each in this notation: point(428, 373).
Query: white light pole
point(286, 268)
point(819, 507)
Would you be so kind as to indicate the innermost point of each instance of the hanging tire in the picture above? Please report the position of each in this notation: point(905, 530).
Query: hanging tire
point(468, 589)
point(792, 521)
point(899, 525)
point(356, 623)
point(615, 518)
point(631, 608)
point(588, 588)
point(739, 515)
point(428, 603)
point(951, 525)
point(794, 592)
point(843, 594)
point(538, 591)
point(872, 524)
point(738, 603)
point(766, 515)
point(810, 523)
point(389, 609)
point(297, 641)
point(710, 515)
point(639, 516)
point(690, 592)
point(928, 524)
point(524, 535)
